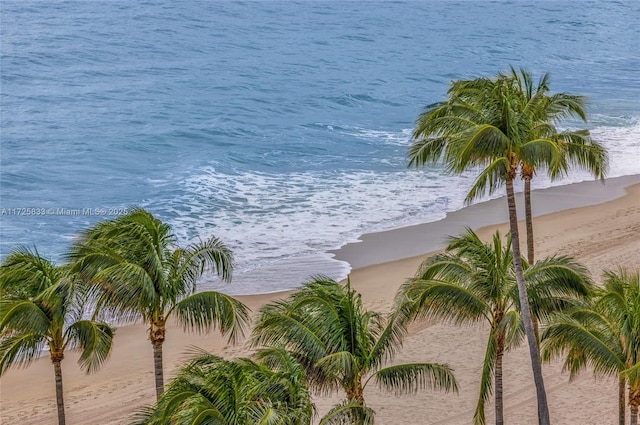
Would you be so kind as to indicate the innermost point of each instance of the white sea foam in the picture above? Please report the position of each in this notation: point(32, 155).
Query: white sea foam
point(280, 225)
point(401, 138)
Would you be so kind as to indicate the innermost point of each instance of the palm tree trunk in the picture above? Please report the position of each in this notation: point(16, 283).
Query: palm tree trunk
point(356, 393)
point(498, 384)
point(57, 368)
point(543, 408)
point(634, 402)
point(536, 329)
point(528, 219)
point(157, 333)
point(157, 367)
point(622, 384)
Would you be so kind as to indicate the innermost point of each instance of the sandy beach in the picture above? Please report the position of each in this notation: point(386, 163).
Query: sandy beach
point(599, 224)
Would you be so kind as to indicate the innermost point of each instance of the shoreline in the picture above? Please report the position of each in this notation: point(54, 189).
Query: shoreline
point(419, 239)
point(601, 236)
point(410, 240)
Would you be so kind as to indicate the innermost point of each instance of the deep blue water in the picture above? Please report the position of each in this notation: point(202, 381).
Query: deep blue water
point(281, 127)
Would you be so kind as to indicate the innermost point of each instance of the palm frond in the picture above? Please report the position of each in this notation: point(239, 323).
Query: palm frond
point(19, 350)
point(490, 179)
point(443, 300)
point(390, 339)
point(409, 378)
point(348, 413)
point(586, 153)
point(126, 289)
point(275, 327)
point(23, 316)
point(486, 377)
point(426, 151)
point(632, 374)
point(204, 311)
point(339, 364)
point(24, 274)
point(212, 253)
point(513, 328)
point(445, 266)
point(585, 343)
point(557, 283)
point(94, 338)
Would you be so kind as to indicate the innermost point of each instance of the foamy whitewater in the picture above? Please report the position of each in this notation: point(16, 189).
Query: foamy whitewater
point(280, 127)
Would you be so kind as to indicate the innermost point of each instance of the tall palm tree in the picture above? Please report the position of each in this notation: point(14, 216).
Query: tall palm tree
point(483, 125)
point(140, 273)
point(341, 344)
point(539, 114)
point(605, 335)
point(574, 148)
point(473, 281)
point(210, 389)
point(42, 307)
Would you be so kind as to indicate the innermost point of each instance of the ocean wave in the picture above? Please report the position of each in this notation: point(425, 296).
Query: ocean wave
point(281, 129)
point(269, 217)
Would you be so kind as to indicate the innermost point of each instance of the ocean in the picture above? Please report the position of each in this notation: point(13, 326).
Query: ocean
point(280, 127)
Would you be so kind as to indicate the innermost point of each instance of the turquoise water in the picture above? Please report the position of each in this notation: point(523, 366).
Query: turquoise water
point(281, 127)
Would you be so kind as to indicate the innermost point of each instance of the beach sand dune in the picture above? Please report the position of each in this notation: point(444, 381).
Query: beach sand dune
point(602, 236)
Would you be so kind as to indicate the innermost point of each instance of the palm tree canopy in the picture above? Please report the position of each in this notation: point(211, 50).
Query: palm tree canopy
point(25, 274)
point(141, 272)
point(341, 344)
point(42, 306)
point(501, 125)
point(604, 335)
point(544, 112)
point(475, 281)
point(472, 279)
point(212, 390)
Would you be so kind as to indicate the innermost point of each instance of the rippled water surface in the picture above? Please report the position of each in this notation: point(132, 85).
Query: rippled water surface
point(281, 127)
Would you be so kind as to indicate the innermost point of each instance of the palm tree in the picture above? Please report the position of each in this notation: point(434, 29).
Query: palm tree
point(575, 148)
point(42, 307)
point(140, 273)
point(539, 113)
point(605, 335)
point(342, 345)
point(473, 281)
point(210, 389)
point(484, 125)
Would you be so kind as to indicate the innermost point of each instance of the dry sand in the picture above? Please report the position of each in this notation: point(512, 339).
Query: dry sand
point(602, 236)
